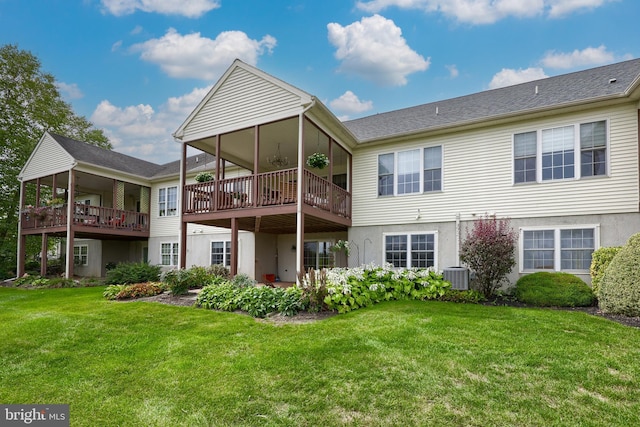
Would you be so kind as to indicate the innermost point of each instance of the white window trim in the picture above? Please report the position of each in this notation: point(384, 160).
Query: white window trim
point(421, 170)
point(166, 188)
point(224, 242)
point(577, 158)
point(409, 234)
point(556, 245)
point(171, 254)
point(80, 254)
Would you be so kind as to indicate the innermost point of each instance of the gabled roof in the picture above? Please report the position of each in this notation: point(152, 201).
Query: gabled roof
point(94, 155)
point(608, 82)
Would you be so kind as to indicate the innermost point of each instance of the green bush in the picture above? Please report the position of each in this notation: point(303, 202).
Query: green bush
point(178, 280)
point(258, 301)
point(545, 289)
point(219, 297)
point(44, 282)
point(140, 290)
point(620, 285)
point(112, 291)
point(218, 270)
point(600, 260)
point(352, 288)
point(243, 281)
point(470, 296)
point(129, 273)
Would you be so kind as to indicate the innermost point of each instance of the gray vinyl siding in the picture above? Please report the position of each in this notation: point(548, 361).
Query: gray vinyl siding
point(478, 176)
point(49, 158)
point(166, 226)
point(243, 100)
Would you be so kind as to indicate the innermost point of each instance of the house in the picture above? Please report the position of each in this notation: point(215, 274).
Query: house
point(559, 156)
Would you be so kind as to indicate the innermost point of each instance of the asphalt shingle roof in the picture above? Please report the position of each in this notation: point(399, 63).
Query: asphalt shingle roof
point(557, 91)
point(98, 156)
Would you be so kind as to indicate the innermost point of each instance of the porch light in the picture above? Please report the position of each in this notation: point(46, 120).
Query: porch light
point(277, 160)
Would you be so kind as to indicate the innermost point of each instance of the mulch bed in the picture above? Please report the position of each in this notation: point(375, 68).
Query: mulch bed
point(304, 317)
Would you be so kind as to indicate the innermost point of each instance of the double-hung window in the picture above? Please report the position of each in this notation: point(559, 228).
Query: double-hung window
point(169, 254)
point(221, 253)
point(168, 201)
point(553, 154)
point(558, 248)
point(410, 172)
point(81, 255)
point(410, 250)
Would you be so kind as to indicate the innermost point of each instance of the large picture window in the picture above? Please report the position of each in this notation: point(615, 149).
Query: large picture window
point(410, 250)
point(558, 249)
point(169, 254)
point(566, 152)
point(410, 172)
point(168, 201)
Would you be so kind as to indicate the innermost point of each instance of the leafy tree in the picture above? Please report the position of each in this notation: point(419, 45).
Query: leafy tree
point(30, 104)
point(489, 250)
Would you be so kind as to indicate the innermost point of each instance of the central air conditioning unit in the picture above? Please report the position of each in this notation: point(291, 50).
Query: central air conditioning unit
point(458, 276)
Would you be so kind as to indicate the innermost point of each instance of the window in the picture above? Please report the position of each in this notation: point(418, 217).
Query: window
point(558, 153)
point(432, 169)
point(550, 154)
point(318, 255)
point(81, 255)
point(169, 254)
point(410, 250)
point(558, 249)
point(221, 253)
point(385, 175)
point(168, 201)
point(593, 148)
point(410, 172)
point(524, 154)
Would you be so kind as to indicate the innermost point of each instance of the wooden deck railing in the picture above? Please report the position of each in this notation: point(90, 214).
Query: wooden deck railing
point(266, 189)
point(84, 215)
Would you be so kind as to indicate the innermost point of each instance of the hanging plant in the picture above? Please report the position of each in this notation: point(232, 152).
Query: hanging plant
point(318, 160)
point(204, 177)
point(341, 246)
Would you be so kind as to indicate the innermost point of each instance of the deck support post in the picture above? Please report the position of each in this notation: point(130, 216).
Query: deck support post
point(234, 247)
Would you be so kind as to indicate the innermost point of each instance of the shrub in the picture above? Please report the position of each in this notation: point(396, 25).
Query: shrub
point(314, 289)
point(259, 301)
point(600, 260)
point(44, 282)
point(140, 290)
point(470, 296)
point(243, 281)
point(219, 270)
point(489, 250)
point(219, 297)
point(545, 289)
point(352, 288)
point(620, 285)
point(129, 273)
point(177, 280)
point(112, 291)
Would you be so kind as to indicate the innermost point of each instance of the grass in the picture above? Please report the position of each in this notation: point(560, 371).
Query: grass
point(397, 363)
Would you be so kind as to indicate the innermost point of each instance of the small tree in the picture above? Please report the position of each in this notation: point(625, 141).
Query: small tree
point(489, 250)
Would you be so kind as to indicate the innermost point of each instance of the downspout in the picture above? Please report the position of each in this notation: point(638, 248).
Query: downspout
point(182, 227)
point(458, 239)
point(68, 271)
point(299, 193)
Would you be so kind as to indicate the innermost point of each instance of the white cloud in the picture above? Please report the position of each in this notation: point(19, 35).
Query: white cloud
point(375, 49)
point(69, 90)
point(485, 11)
point(136, 30)
point(559, 8)
point(145, 132)
point(453, 71)
point(508, 77)
point(116, 46)
point(349, 103)
point(194, 56)
point(188, 8)
point(578, 58)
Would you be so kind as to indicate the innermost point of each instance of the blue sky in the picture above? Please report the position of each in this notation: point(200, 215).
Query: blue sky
point(137, 68)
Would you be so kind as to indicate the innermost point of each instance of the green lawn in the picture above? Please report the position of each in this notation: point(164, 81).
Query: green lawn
point(397, 363)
